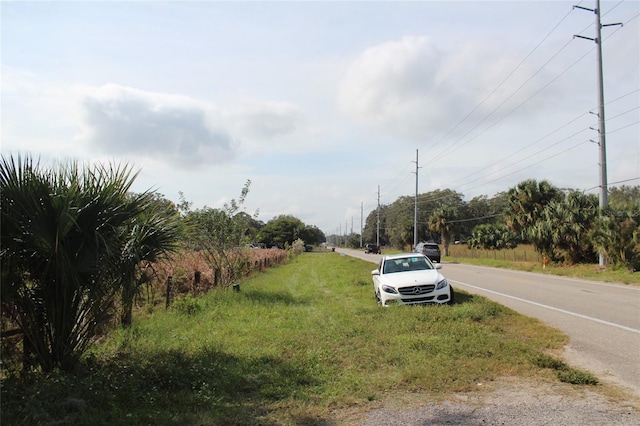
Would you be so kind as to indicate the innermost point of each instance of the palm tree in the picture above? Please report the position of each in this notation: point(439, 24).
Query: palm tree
point(564, 228)
point(62, 240)
point(441, 222)
point(526, 201)
point(151, 235)
point(618, 234)
point(492, 237)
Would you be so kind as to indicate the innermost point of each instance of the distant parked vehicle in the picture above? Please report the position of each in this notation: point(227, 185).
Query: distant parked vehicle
point(372, 248)
point(431, 250)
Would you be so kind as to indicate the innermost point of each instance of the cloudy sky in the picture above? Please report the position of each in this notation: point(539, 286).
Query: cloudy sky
point(319, 104)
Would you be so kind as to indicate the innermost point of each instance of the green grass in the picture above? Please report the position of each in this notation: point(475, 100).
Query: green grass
point(564, 372)
point(298, 343)
point(524, 258)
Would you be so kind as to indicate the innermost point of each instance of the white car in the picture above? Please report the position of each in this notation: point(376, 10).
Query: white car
point(409, 279)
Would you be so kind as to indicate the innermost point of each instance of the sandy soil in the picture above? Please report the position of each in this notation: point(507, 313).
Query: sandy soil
point(514, 402)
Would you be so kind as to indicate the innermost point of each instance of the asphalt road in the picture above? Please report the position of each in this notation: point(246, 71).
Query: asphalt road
point(602, 320)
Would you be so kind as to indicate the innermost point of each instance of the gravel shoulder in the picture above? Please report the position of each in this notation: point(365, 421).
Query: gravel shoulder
point(514, 402)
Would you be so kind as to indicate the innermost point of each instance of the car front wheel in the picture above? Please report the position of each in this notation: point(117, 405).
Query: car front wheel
point(451, 296)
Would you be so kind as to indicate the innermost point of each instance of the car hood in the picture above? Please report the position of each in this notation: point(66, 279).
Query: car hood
point(400, 279)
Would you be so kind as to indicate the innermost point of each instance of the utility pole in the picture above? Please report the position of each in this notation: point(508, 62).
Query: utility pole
point(415, 206)
point(361, 222)
point(378, 220)
point(604, 194)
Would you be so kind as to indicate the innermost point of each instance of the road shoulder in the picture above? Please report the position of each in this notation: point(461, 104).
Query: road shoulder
point(509, 401)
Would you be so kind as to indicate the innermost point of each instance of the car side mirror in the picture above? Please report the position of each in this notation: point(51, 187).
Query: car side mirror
point(375, 272)
point(438, 265)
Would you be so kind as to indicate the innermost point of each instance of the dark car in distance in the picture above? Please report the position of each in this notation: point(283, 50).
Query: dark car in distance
point(431, 250)
point(372, 248)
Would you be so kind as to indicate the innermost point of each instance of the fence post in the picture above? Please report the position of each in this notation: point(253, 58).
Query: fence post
point(196, 280)
point(168, 299)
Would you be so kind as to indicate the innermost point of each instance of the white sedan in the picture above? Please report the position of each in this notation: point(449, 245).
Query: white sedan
point(409, 279)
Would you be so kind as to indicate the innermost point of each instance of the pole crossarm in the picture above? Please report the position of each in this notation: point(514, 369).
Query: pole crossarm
point(575, 6)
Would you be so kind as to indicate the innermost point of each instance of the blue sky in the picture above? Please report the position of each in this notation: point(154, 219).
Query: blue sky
point(319, 103)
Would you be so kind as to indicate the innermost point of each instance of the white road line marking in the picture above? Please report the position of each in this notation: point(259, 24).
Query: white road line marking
point(623, 327)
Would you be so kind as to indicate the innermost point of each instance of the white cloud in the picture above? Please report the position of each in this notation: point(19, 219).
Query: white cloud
point(127, 121)
point(265, 125)
point(393, 85)
point(264, 119)
point(185, 131)
point(35, 112)
point(413, 89)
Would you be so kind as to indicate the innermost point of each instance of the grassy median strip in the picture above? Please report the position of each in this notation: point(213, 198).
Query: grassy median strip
point(297, 343)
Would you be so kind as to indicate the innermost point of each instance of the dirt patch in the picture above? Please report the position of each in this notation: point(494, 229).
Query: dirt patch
point(510, 401)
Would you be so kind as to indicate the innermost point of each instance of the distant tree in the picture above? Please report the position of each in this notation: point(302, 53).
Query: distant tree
point(624, 196)
point(433, 200)
point(525, 203)
point(369, 233)
point(397, 219)
point(404, 240)
point(281, 231)
point(479, 210)
point(222, 235)
point(253, 226)
point(492, 237)
point(442, 221)
point(370, 226)
point(312, 235)
point(428, 203)
point(618, 235)
point(183, 206)
point(563, 230)
point(399, 222)
point(353, 240)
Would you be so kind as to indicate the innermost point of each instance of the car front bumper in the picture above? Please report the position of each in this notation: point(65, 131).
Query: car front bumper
point(413, 295)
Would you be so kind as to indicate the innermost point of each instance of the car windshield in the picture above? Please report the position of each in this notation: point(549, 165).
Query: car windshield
point(417, 263)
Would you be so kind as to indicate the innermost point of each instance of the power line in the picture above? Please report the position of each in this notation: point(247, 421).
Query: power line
point(503, 81)
point(526, 100)
point(453, 148)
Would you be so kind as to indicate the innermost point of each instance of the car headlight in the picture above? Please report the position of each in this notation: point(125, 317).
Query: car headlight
point(389, 289)
point(442, 284)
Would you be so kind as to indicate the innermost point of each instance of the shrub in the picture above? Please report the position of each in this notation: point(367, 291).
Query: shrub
point(188, 305)
point(298, 246)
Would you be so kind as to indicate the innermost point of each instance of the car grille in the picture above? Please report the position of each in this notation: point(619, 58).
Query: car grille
point(419, 299)
point(416, 290)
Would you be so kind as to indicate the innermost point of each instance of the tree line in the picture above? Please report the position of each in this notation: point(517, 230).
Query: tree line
point(564, 225)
